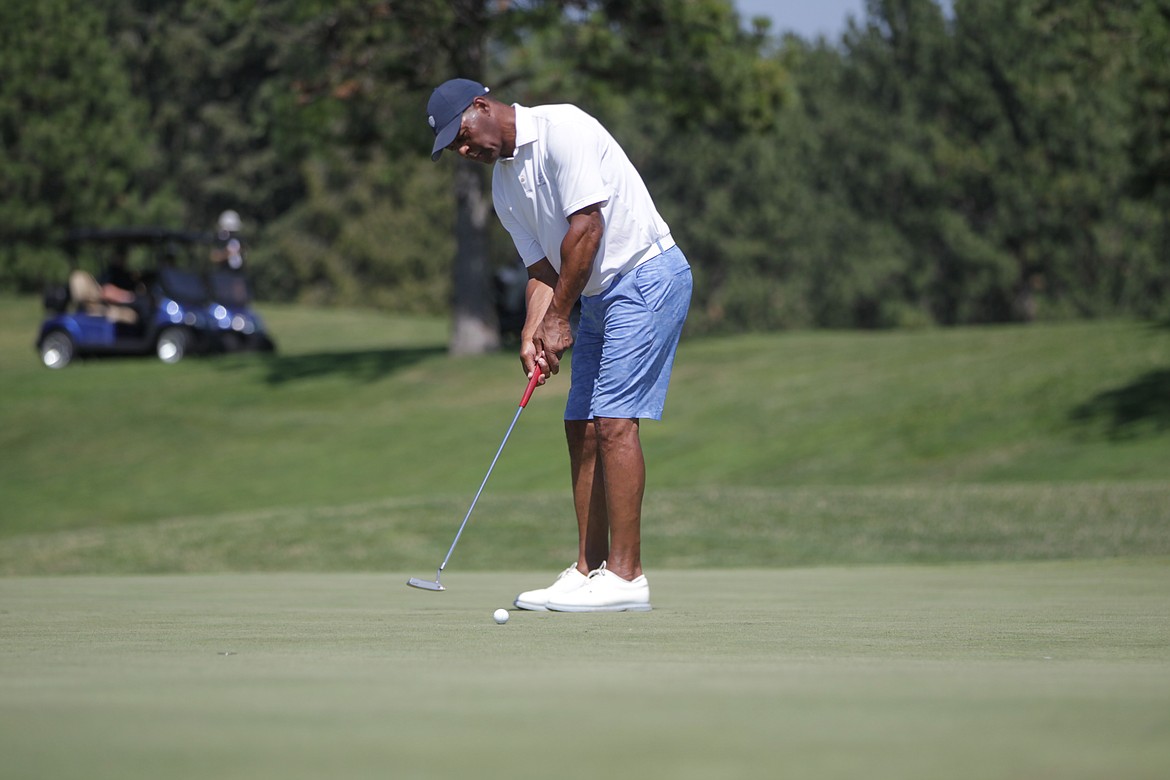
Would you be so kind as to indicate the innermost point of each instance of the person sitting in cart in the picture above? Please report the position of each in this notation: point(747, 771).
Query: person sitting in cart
point(121, 286)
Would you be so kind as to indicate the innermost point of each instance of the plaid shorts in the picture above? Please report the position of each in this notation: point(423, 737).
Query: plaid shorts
point(626, 341)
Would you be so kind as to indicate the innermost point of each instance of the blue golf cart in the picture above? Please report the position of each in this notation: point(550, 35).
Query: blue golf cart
point(175, 312)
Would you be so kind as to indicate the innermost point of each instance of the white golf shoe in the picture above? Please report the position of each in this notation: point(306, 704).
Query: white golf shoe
point(604, 591)
point(537, 600)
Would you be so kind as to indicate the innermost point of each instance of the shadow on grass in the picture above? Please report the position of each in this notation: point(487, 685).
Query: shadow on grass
point(1142, 406)
point(362, 366)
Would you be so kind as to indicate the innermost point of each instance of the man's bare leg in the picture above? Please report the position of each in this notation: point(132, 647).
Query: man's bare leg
point(609, 479)
point(624, 477)
point(588, 494)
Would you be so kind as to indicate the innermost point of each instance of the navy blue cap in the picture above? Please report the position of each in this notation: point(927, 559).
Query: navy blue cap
point(445, 110)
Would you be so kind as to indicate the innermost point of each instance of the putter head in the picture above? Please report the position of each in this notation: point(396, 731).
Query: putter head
point(415, 582)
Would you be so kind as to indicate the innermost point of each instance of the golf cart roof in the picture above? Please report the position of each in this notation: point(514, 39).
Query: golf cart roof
point(139, 235)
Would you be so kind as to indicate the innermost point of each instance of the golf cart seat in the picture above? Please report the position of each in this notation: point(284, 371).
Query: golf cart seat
point(87, 294)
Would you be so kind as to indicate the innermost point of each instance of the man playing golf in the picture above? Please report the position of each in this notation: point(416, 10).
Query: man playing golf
point(586, 228)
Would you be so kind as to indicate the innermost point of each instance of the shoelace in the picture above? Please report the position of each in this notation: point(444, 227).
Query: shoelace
point(598, 571)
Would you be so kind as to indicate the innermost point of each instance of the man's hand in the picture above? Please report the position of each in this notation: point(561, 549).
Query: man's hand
point(530, 358)
point(551, 340)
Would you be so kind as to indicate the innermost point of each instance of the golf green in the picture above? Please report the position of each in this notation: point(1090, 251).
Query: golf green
point(998, 670)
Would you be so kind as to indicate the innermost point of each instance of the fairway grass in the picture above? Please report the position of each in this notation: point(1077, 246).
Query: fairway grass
point(696, 528)
point(361, 407)
point(991, 670)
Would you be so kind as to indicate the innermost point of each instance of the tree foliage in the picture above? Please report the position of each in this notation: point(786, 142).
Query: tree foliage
point(996, 160)
point(73, 135)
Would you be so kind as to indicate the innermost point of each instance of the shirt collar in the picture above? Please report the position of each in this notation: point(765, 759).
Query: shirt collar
point(525, 128)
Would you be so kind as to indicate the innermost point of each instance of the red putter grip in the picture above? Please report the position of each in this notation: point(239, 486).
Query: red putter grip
point(531, 385)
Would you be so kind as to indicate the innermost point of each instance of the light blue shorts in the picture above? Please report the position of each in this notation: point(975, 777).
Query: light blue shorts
point(626, 341)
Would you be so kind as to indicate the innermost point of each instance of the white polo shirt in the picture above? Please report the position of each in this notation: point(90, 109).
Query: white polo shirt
point(564, 161)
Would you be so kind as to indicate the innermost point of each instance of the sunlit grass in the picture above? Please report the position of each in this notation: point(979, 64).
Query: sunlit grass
point(362, 409)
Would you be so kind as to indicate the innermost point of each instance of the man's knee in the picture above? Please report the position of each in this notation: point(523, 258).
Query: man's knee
point(616, 431)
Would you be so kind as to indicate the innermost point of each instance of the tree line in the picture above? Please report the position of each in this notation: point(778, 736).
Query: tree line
point(991, 161)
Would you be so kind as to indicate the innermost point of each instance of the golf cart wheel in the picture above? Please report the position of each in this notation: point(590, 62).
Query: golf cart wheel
point(172, 345)
point(262, 343)
point(57, 350)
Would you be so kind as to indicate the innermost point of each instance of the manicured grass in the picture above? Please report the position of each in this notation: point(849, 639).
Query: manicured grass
point(898, 555)
point(984, 671)
point(361, 409)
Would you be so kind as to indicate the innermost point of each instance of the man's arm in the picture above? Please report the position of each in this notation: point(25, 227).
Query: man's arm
point(542, 280)
point(114, 294)
point(578, 249)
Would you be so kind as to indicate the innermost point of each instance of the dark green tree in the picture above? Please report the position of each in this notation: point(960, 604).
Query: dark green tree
point(373, 225)
point(231, 128)
point(75, 149)
point(697, 102)
point(359, 74)
point(1148, 290)
point(1044, 132)
point(995, 145)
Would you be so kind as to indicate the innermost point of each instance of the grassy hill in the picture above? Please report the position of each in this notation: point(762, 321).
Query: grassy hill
point(361, 443)
point(1039, 457)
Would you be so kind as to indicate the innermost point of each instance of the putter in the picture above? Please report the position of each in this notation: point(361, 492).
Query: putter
point(417, 582)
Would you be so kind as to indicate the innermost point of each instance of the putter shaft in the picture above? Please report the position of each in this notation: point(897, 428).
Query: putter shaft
point(422, 584)
point(478, 493)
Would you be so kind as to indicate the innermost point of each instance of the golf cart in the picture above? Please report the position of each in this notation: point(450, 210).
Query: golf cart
point(238, 328)
point(173, 314)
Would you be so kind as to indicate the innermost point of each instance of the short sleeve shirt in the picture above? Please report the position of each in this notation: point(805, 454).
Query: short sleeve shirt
point(564, 161)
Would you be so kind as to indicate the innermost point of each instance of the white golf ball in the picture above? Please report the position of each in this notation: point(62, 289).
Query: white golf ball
point(501, 616)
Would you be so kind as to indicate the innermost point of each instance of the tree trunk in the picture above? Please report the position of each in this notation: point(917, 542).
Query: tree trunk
point(475, 327)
